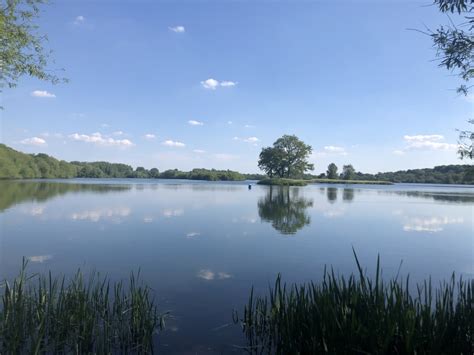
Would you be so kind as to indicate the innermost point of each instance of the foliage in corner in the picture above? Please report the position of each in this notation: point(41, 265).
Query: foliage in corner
point(21, 50)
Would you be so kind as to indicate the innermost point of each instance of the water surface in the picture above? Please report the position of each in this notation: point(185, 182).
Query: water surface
point(201, 245)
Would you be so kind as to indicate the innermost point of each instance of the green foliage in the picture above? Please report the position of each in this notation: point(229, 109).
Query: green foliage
point(466, 143)
point(455, 43)
point(41, 314)
point(21, 50)
point(284, 209)
point(444, 174)
point(360, 315)
point(348, 172)
point(340, 181)
point(16, 165)
point(287, 158)
point(332, 171)
point(283, 182)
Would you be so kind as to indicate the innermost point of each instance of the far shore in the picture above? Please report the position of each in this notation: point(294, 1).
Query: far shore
point(304, 182)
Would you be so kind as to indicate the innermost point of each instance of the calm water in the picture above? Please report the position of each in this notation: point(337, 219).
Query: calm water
point(202, 245)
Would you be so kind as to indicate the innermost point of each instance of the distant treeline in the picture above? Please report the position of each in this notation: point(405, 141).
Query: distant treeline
point(17, 165)
point(444, 174)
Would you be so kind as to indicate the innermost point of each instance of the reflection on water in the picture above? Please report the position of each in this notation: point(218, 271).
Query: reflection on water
point(15, 192)
point(348, 195)
point(202, 246)
point(454, 197)
point(284, 209)
point(332, 194)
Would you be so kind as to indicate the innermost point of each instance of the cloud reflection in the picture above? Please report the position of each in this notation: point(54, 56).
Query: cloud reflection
point(103, 213)
point(173, 213)
point(209, 275)
point(430, 224)
point(39, 258)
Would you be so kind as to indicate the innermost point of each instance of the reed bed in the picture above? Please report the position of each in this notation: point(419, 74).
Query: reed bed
point(360, 315)
point(41, 314)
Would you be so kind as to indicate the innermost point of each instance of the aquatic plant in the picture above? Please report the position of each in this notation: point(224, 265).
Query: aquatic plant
point(360, 315)
point(43, 314)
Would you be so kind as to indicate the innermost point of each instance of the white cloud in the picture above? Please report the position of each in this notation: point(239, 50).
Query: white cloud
point(228, 83)
point(251, 140)
point(199, 151)
point(171, 143)
point(79, 20)
point(105, 125)
point(43, 94)
point(99, 139)
point(147, 219)
point(213, 84)
point(195, 123)
point(149, 136)
point(210, 83)
point(246, 140)
point(55, 135)
point(229, 122)
point(431, 225)
point(118, 133)
point(333, 149)
point(33, 141)
point(428, 142)
point(249, 126)
point(177, 29)
point(398, 152)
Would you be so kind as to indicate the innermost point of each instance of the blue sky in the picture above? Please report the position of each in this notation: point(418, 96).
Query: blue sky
point(347, 77)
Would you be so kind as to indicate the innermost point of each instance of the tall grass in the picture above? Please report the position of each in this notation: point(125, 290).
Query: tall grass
point(359, 315)
point(42, 314)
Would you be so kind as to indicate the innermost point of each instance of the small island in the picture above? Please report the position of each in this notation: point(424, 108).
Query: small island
point(286, 164)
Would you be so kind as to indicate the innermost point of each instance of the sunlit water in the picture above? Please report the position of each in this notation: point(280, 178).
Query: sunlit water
point(201, 246)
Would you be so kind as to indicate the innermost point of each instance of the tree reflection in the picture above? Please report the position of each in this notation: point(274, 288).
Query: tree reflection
point(347, 195)
point(15, 192)
point(332, 194)
point(284, 209)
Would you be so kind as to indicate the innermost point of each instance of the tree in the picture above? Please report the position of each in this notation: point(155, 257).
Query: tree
point(21, 49)
point(287, 158)
point(348, 172)
point(154, 173)
point(332, 171)
point(455, 49)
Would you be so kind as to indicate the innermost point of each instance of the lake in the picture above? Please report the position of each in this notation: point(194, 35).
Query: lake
point(202, 245)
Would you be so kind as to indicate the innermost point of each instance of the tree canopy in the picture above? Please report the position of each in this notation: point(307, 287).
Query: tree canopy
point(288, 157)
point(332, 171)
point(21, 49)
point(455, 50)
point(348, 172)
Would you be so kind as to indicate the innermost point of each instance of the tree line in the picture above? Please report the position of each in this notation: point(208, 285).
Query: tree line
point(444, 174)
point(17, 165)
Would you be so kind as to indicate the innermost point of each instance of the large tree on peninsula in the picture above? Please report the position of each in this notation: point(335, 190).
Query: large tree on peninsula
point(288, 157)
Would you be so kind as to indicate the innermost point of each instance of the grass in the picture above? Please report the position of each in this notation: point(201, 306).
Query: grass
point(42, 314)
point(340, 181)
point(357, 315)
point(284, 182)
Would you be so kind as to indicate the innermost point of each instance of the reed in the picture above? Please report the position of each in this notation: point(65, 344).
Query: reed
point(360, 315)
point(43, 314)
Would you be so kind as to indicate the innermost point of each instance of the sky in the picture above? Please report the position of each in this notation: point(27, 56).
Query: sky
point(190, 84)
